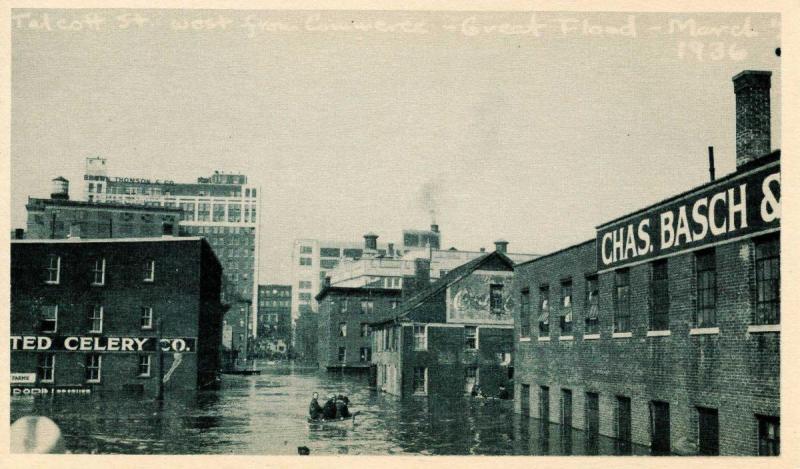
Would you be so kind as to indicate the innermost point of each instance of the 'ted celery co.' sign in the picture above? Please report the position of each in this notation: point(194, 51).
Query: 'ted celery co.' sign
point(737, 207)
point(101, 344)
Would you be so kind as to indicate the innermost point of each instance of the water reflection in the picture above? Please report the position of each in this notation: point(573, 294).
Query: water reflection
point(266, 414)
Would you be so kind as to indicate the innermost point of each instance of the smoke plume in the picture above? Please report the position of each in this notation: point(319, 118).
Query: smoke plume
point(430, 198)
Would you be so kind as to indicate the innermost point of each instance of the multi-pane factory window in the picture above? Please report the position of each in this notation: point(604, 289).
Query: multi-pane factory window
point(592, 306)
point(367, 306)
point(188, 211)
point(525, 313)
point(420, 337)
point(566, 308)
point(769, 439)
point(149, 270)
point(96, 319)
point(47, 362)
point(53, 270)
point(471, 337)
point(147, 317)
point(49, 322)
point(768, 281)
point(219, 212)
point(496, 299)
point(706, 267)
point(93, 367)
point(544, 311)
point(305, 261)
point(144, 365)
point(99, 271)
point(203, 211)
point(234, 213)
point(420, 385)
point(622, 301)
point(306, 249)
point(659, 296)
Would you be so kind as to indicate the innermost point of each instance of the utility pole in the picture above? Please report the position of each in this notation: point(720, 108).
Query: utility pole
point(160, 353)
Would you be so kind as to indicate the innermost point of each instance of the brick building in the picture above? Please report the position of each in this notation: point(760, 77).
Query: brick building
point(274, 318)
point(664, 331)
point(450, 335)
point(115, 315)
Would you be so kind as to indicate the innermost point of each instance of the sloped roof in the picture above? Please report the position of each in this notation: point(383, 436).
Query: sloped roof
point(450, 278)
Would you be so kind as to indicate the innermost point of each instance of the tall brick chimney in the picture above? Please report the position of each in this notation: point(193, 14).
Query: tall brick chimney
point(752, 115)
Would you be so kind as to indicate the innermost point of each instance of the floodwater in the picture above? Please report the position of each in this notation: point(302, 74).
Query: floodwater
point(266, 414)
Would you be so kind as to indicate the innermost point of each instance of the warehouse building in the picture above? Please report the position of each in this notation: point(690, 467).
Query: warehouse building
point(137, 314)
point(664, 330)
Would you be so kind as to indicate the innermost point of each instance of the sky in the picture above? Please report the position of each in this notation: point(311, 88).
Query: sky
point(380, 121)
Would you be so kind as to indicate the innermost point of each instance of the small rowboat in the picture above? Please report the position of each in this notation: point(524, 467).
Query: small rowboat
point(340, 421)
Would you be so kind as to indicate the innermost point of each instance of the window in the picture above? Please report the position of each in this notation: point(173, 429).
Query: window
point(93, 367)
point(367, 307)
point(96, 319)
point(99, 271)
point(592, 306)
point(768, 281)
point(342, 329)
point(306, 250)
point(328, 263)
point(706, 289)
point(566, 408)
point(343, 306)
point(525, 313)
point(420, 385)
point(219, 212)
point(147, 317)
point(622, 301)
point(342, 354)
point(659, 428)
point(420, 337)
point(49, 321)
point(203, 211)
point(623, 425)
point(329, 252)
point(46, 367)
point(234, 213)
point(525, 400)
point(471, 337)
point(544, 311)
point(659, 296)
point(365, 354)
point(470, 378)
point(53, 271)
point(305, 284)
point(566, 308)
point(708, 431)
point(149, 270)
point(496, 299)
point(144, 365)
point(769, 439)
point(544, 403)
point(364, 329)
point(305, 296)
point(305, 261)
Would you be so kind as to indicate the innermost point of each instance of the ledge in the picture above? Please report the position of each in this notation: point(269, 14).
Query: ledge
point(659, 333)
point(704, 331)
point(591, 336)
point(763, 328)
point(622, 335)
point(566, 337)
point(543, 339)
point(524, 339)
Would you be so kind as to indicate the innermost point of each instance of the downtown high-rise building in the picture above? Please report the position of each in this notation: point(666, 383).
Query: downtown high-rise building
point(223, 208)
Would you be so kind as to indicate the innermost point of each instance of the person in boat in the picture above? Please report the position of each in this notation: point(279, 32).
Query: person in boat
point(329, 409)
point(314, 409)
point(503, 394)
point(342, 411)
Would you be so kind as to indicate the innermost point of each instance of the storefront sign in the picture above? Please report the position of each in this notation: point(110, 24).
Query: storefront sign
point(18, 391)
point(101, 344)
point(23, 378)
point(88, 177)
point(733, 208)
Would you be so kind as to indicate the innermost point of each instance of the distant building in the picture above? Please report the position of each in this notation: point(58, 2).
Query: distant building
point(664, 330)
point(114, 315)
point(452, 335)
point(223, 208)
point(306, 338)
point(274, 318)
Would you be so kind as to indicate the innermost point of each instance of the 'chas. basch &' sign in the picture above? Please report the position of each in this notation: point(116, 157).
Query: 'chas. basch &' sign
point(738, 206)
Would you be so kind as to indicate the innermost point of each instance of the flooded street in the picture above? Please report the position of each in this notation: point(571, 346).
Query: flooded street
point(266, 414)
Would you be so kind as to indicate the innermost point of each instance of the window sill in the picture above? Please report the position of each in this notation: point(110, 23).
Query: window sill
point(524, 339)
point(591, 337)
point(543, 339)
point(144, 376)
point(622, 335)
point(704, 331)
point(763, 328)
point(659, 333)
point(48, 282)
point(566, 337)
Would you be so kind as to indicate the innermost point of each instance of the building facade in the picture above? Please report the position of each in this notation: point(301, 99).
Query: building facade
point(223, 208)
point(451, 335)
point(114, 315)
point(664, 331)
point(274, 319)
